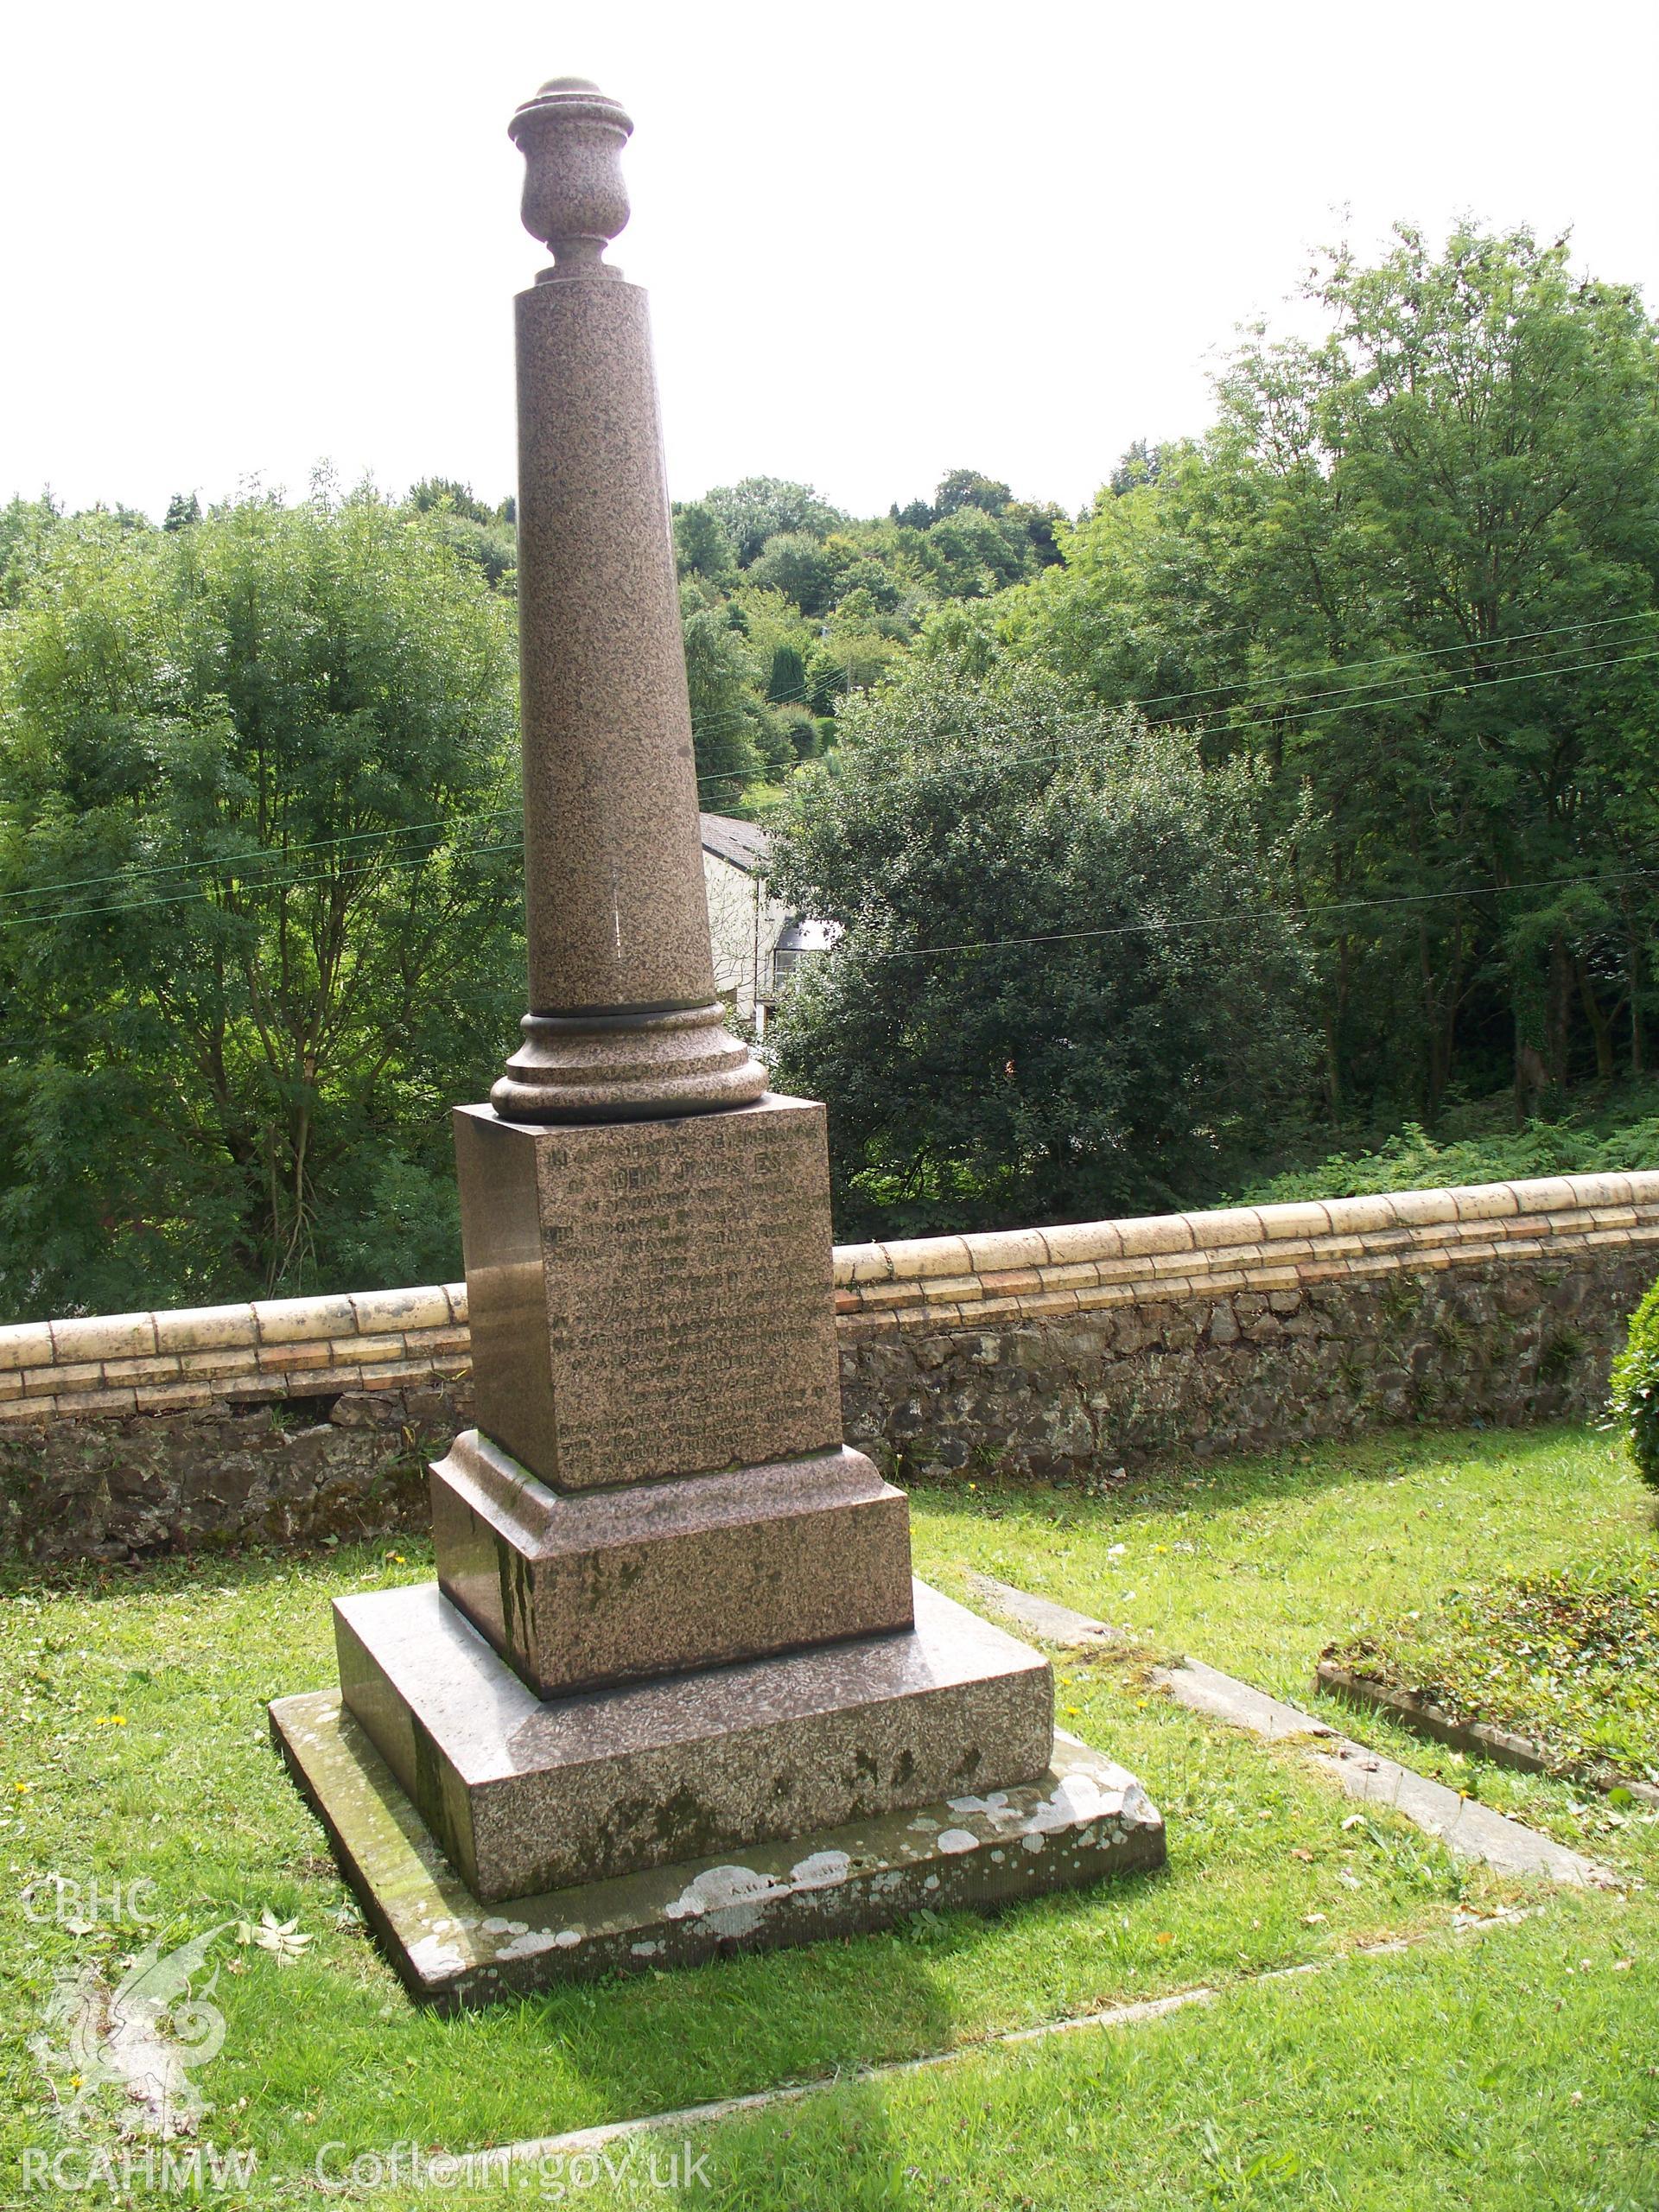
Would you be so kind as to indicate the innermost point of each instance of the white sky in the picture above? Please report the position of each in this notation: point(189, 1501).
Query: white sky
point(881, 241)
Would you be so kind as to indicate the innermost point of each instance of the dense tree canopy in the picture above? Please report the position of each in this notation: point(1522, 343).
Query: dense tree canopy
point(766, 507)
point(258, 901)
point(1311, 774)
point(702, 544)
point(1413, 570)
point(729, 721)
point(477, 532)
point(827, 607)
point(1063, 986)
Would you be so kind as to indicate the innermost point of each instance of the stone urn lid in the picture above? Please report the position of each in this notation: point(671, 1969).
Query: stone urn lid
point(571, 135)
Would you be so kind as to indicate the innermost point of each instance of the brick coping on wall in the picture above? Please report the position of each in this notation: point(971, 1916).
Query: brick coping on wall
point(180, 1359)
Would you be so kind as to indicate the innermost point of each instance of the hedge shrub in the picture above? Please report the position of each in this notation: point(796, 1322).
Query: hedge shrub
point(1635, 1388)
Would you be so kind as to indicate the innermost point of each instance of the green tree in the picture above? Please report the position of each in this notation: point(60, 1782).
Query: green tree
point(797, 729)
point(26, 525)
point(1063, 987)
point(447, 494)
point(798, 565)
point(182, 510)
point(882, 589)
point(702, 544)
point(972, 553)
point(728, 720)
point(786, 684)
point(1041, 521)
point(259, 889)
point(1413, 569)
point(487, 536)
point(1634, 1405)
point(1141, 464)
point(770, 506)
point(966, 487)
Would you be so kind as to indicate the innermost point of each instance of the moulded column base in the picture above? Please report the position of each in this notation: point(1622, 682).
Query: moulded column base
point(627, 1067)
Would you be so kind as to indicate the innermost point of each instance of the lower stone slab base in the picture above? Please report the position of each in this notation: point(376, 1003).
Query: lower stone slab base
point(1085, 1820)
point(524, 1795)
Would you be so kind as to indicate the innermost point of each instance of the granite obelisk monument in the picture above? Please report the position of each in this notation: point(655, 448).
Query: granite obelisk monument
point(674, 1689)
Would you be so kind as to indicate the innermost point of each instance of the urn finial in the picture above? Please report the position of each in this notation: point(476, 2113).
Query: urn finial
point(571, 135)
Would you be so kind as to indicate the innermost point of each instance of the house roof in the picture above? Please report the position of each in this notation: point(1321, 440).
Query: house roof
point(745, 844)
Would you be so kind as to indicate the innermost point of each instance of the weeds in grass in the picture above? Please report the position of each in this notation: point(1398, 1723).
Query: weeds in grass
point(1567, 1657)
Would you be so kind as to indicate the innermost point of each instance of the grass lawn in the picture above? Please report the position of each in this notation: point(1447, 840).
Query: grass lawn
point(1495, 2071)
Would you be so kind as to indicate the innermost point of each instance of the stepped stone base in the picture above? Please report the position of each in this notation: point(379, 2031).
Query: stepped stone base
point(1082, 1821)
point(524, 1795)
point(599, 1587)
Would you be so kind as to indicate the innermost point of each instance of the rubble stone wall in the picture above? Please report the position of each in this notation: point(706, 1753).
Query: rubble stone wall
point(1059, 1353)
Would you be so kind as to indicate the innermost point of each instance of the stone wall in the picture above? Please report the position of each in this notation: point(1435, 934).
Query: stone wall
point(1067, 1352)
point(285, 1421)
point(1060, 1353)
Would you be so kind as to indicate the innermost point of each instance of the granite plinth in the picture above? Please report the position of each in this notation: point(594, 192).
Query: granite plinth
point(1082, 1821)
point(651, 1297)
point(525, 1796)
point(603, 1586)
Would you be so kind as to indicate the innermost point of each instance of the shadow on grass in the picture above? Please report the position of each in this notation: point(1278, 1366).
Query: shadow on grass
point(1184, 1484)
point(633, 2047)
point(407, 1557)
point(763, 2020)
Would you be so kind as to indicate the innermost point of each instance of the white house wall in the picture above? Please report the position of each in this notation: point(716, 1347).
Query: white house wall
point(744, 924)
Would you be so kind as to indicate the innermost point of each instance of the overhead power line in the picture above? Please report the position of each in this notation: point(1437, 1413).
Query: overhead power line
point(258, 855)
point(1266, 708)
point(1417, 653)
point(1231, 917)
point(1462, 686)
point(1235, 916)
point(271, 856)
point(1403, 698)
point(278, 883)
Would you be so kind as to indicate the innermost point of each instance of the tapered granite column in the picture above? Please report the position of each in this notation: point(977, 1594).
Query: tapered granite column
point(624, 1021)
point(674, 1616)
